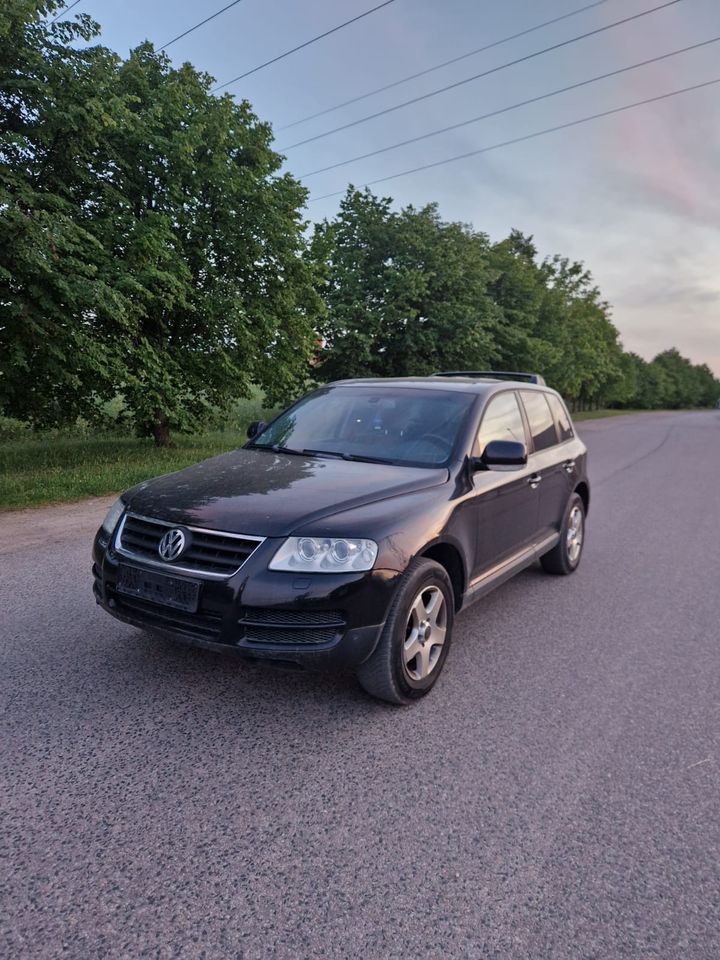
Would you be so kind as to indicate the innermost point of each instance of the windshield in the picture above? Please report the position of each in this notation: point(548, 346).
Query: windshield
point(403, 426)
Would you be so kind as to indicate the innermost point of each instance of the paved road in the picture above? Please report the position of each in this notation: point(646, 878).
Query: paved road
point(556, 796)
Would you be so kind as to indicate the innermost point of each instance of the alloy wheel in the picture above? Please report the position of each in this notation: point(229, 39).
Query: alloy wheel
point(425, 633)
point(574, 535)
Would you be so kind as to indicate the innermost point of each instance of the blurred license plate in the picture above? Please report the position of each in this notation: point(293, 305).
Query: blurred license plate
point(158, 588)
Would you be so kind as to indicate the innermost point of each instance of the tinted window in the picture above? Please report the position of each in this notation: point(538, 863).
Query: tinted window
point(502, 421)
point(542, 425)
point(562, 420)
point(407, 426)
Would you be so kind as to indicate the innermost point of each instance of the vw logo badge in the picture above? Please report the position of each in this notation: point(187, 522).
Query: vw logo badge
point(171, 545)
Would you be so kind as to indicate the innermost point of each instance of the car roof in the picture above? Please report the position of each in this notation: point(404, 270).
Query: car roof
point(482, 386)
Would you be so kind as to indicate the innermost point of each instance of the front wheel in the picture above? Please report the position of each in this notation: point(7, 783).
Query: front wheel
point(564, 558)
point(416, 637)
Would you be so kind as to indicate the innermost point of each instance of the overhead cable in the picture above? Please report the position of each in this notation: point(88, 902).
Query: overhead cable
point(529, 136)
point(485, 73)
point(445, 63)
point(301, 46)
point(512, 106)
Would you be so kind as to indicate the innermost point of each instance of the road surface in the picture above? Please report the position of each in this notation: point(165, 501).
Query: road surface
point(557, 796)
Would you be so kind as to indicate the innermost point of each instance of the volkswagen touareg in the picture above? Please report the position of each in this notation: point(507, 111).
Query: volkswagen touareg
point(350, 530)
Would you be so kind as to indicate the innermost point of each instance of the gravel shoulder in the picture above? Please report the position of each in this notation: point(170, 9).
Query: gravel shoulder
point(21, 529)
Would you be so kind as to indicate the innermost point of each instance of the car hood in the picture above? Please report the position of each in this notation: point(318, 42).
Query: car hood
point(268, 494)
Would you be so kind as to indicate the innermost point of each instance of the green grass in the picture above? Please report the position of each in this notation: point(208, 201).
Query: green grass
point(34, 472)
point(600, 414)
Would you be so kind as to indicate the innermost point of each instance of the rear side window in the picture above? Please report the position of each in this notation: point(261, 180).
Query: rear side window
point(502, 421)
point(542, 424)
point(562, 420)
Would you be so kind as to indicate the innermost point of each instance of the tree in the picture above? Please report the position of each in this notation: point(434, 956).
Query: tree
point(208, 240)
point(687, 385)
point(707, 384)
point(407, 292)
point(555, 321)
point(519, 288)
point(577, 321)
point(57, 100)
point(149, 243)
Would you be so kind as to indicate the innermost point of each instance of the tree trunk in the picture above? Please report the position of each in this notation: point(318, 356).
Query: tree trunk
point(160, 429)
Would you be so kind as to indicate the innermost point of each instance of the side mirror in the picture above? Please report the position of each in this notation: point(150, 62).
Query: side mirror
point(501, 453)
point(256, 427)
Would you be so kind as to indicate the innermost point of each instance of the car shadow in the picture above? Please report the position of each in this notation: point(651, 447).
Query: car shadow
point(231, 690)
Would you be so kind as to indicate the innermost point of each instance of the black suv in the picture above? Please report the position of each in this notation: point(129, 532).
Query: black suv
point(351, 529)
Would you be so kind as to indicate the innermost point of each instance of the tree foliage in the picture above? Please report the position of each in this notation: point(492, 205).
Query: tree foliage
point(670, 381)
point(408, 293)
point(149, 243)
point(57, 103)
point(150, 246)
point(208, 239)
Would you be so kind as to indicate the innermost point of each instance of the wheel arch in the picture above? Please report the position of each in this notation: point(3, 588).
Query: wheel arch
point(583, 491)
point(450, 558)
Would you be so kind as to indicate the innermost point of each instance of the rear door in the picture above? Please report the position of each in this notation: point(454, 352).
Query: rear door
point(546, 460)
point(505, 504)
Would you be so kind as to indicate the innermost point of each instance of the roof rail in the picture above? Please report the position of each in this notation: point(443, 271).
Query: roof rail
point(495, 375)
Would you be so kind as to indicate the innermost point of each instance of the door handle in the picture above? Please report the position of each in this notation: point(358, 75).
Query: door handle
point(534, 480)
point(569, 466)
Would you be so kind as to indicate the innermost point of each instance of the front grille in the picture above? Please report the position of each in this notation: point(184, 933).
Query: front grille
point(288, 638)
point(207, 552)
point(204, 624)
point(292, 618)
point(290, 627)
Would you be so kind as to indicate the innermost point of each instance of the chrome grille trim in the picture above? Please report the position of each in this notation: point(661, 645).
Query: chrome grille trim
point(124, 551)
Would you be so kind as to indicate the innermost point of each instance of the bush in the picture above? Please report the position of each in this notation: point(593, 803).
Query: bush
point(12, 429)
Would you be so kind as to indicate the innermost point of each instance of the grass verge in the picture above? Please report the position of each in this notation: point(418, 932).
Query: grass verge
point(35, 472)
point(601, 414)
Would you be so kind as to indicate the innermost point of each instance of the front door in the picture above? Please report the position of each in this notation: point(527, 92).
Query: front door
point(505, 502)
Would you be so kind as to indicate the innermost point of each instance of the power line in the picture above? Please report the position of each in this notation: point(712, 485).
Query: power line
point(301, 46)
point(514, 106)
point(529, 136)
point(200, 24)
point(64, 12)
point(478, 76)
point(445, 63)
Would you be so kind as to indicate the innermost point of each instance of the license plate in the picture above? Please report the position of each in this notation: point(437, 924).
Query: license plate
point(174, 592)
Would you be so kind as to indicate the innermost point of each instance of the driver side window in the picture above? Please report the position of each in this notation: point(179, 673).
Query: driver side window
point(502, 420)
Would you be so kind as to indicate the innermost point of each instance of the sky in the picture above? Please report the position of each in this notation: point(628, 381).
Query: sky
point(635, 196)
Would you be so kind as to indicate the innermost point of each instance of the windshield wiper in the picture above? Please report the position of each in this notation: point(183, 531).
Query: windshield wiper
point(276, 448)
point(325, 453)
point(307, 452)
point(336, 455)
point(363, 459)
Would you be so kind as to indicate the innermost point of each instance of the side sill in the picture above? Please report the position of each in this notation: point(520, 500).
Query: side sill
point(504, 571)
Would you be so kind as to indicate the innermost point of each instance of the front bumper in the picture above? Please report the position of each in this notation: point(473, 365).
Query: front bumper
point(319, 621)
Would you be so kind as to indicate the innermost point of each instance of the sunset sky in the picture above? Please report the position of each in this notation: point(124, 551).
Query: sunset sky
point(636, 196)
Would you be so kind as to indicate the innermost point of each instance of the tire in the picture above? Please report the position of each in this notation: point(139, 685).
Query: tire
point(423, 605)
point(565, 556)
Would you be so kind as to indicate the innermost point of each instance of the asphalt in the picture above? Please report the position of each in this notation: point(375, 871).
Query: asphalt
point(555, 797)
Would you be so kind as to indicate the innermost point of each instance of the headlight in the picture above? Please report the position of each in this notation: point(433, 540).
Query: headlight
point(324, 555)
point(113, 516)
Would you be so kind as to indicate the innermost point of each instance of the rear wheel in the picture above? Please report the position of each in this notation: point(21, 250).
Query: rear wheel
point(565, 556)
point(416, 638)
